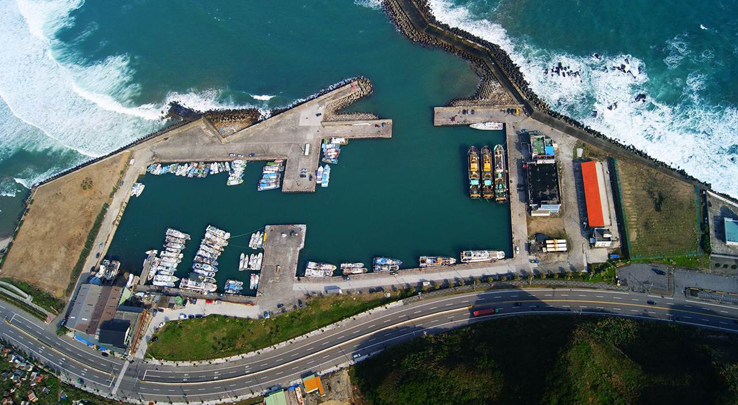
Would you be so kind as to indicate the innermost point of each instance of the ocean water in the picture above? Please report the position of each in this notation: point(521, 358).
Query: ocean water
point(80, 78)
point(682, 55)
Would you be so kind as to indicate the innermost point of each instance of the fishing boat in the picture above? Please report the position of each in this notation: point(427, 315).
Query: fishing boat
point(257, 262)
point(353, 268)
point(201, 278)
point(177, 234)
point(319, 174)
point(242, 263)
point(487, 187)
point(476, 256)
point(386, 264)
point(488, 126)
point(163, 284)
point(137, 189)
point(316, 269)
point(168, 279)
point(473, 155)
point(204, 272)
point(197, 286)
point(500, 175)
point(326, 176)
point(254, 281)
point(435, 261)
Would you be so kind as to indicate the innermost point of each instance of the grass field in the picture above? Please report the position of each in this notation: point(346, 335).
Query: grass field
point(218, 336)
point(660, 213)
point(562, 360)
point(57, 224)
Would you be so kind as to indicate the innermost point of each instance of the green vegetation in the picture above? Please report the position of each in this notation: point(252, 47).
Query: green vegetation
point(690, 262)
point(558, 361)
point(218, 336)
point(40, 297)
point(77, 270)
point(661, 213)
point(20, 304)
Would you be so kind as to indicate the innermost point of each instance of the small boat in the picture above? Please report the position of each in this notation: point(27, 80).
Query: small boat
point(353, 268)
point(316, 269)
point(476, 256)
point(326, 176)
point(488, 126)
point(435, 261)
point(254, 281)
point(386, 264)
point(242, 262)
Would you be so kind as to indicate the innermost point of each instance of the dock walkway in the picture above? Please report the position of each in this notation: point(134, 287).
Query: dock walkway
point(281, 253)
point(462, 115)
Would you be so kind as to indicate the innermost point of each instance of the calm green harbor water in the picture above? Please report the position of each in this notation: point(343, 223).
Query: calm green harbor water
point(401, 198)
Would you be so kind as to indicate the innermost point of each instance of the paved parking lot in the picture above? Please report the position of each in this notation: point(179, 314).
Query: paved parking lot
point(646, 278)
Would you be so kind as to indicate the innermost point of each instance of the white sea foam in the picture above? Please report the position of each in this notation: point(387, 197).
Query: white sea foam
point(692, 135)
point(262, 98)
point(374, 4)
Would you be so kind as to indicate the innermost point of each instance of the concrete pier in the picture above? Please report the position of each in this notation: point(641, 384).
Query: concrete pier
point(281, 253)
point(466, 115)
point(283, 136)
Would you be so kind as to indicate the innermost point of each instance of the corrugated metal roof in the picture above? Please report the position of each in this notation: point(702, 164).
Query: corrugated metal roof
point(276, 398)
point(592, 195)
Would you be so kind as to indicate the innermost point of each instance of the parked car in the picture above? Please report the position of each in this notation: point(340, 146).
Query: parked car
point(182, 316)
point(198, 316)
point(104, 354)
point(357, 355)
point(191, 316)
point(266, 314)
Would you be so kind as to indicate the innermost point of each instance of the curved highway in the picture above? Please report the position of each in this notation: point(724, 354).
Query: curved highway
point(361, 336)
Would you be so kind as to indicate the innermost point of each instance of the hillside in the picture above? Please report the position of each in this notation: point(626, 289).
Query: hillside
point(556, 360)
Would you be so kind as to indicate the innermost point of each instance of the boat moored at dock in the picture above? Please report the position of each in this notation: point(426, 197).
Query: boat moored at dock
point(386, 264)
point(500, 175)
point(316, 269)
point(436, 261)
point(487, 187)
point(353, 268)
point(488, 126)
point(477, 256)
point(473, 156)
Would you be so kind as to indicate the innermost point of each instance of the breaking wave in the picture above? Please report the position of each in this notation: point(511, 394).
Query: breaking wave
point(690, 134)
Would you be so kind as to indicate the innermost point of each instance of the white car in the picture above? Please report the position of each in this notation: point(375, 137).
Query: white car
point(182, 316)
point(161, 325)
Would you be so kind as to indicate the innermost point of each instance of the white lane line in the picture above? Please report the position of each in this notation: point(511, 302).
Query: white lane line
point(417, 312)
point(617, 309)
point(564, 295)
point(618, 298)
point(432, 308)
point(633, 310)
point(582, 295)
point(310, 362)
point(705, 320)
point(449, 304)
point(725, 312)
point(600, 296)
point(497, 296)
point(687, 317)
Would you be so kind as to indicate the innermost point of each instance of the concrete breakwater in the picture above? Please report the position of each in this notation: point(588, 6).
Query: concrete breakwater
point(415, 19)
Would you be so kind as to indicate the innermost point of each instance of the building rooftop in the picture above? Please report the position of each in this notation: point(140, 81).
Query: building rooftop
point(92, 306)
point(598, 213)
point(543, 184)
point(542, 146)
point(313, 384)
point(115, 332)
point(276, 398)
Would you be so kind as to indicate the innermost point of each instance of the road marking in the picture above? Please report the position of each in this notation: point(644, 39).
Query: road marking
point(449, 304)
point(705, 320)
point(417, 312)
point(618, 298)
point(582, 295)
point(600, 296)
point(600, 308)
point(497, 296)
point(725, 312)
point(432, 308)
point(564, 295)
point(687, 317)
point(617, 309)
point(310, 362)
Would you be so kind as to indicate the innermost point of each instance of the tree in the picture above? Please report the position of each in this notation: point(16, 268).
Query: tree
point(543, 275)
point(517, 276)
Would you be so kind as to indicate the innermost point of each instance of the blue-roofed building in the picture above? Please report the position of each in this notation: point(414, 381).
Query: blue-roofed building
point(731, 232)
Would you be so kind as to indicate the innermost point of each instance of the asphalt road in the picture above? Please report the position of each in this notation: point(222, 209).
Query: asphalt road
point(362, 336)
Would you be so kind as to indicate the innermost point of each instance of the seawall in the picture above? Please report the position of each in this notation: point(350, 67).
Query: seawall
point(415, 19)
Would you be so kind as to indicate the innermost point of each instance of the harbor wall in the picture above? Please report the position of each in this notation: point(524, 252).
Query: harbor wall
point(415, 19)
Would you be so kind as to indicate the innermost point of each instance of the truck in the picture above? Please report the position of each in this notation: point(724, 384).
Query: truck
point(486, 311)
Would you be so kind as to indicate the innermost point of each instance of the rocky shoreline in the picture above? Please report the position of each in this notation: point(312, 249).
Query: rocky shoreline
point(414, 18)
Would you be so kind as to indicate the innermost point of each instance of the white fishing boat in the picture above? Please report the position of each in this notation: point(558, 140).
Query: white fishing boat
point(488, 126)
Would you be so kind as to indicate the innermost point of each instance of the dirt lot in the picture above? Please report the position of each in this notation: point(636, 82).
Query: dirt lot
point(337, 388)
point(660, 212)
point(56, 226)
point(552, 226)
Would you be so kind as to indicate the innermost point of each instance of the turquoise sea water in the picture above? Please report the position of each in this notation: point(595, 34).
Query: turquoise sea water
point(80, 78)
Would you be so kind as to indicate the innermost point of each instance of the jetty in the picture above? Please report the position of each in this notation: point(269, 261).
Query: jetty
point(415, 19)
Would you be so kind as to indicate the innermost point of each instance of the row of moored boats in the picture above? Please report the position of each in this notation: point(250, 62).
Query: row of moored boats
point(379, 264)
point(163, 267)
point(234, 168)
point(271, 175)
